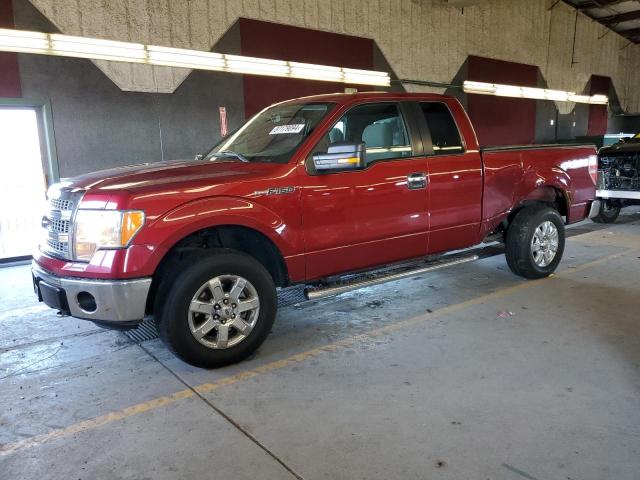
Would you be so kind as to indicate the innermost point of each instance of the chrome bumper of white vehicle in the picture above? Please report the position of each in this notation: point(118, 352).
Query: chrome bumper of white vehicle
point(109, 301)
point(595, 209)
point(618, 194)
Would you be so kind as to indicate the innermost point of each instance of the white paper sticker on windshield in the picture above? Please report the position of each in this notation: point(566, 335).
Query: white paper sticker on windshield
point(282, 129)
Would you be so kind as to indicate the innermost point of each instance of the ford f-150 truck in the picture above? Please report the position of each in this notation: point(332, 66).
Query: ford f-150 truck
point(308, 191)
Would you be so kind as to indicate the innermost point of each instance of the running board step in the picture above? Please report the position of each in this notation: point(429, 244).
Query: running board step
point(323, 291)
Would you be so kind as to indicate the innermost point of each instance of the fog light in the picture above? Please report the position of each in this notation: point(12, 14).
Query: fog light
point(87, 302)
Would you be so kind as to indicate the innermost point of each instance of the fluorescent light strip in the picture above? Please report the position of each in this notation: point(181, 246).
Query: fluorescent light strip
point(97, 49)
point(22, 41)
point(514, 91)
point(176, 57)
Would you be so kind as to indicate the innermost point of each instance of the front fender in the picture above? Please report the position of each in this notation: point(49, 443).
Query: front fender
point(171, 227)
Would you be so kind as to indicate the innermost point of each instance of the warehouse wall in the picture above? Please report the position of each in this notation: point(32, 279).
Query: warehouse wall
point(598, 85)
point(505, 121)
point(9, 70)
point(500, 120)
point(265, 40)
point(625, 124)
point(97, 125)
point(426, 39)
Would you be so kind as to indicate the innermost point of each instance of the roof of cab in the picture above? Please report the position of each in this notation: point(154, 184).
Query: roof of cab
point(353, 97)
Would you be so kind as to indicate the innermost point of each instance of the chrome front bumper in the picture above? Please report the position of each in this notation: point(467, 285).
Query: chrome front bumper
point(114, 301)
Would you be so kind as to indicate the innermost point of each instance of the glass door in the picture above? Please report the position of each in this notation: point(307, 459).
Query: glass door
point(22, 182)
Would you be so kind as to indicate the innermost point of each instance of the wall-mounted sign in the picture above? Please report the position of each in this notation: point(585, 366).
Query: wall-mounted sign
point(223, 121)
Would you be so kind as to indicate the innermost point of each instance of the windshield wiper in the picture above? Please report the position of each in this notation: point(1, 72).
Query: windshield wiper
point(229, 153)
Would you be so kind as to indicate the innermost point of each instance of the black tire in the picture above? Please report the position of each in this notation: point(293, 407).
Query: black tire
point(175, 295)
point(520, 236)
point(609, 211)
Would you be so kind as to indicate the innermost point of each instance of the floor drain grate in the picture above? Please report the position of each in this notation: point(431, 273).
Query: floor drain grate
point(291, 296)
point(147, 329)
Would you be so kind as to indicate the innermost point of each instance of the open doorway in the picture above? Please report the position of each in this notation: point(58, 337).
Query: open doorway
point(22, 182)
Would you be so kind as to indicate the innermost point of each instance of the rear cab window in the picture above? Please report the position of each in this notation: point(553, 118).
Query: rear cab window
point(445, 136)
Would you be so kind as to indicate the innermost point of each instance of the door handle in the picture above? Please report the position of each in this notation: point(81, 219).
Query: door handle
point(417, 180)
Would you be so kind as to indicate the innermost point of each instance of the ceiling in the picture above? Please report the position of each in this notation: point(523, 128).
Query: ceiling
point(621, 16)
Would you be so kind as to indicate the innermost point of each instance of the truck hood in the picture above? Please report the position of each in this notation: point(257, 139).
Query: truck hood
point(136, 178)
point(629, 147)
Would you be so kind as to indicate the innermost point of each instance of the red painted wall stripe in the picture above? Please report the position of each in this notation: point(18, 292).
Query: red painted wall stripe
point(283, 42)
point(501, 120)
point(598, 114)
point(9, 68)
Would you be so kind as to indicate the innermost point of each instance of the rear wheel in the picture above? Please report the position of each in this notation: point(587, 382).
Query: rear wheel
point(535, 242)
point(609, 211)
point(218, 310)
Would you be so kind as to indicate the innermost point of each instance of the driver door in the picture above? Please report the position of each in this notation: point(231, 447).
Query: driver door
point(376, 215)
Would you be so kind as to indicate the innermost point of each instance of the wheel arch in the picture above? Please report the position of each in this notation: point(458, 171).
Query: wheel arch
point(543, 195)
point(549, 186)
point(547, 194)
point(235, 237)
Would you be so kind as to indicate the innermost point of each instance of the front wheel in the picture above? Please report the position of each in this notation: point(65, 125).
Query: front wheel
point(218, 309)
point(535, 242)
point(608, 213)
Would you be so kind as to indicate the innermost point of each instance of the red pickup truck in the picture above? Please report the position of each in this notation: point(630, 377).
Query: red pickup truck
point(305, 192)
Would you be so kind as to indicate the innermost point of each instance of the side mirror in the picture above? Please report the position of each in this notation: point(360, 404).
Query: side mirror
point(341, 156)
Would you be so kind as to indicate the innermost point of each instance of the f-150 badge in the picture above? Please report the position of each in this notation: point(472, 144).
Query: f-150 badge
point(275, 191)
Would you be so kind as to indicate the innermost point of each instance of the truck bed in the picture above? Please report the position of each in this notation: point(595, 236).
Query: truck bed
point(561, 166)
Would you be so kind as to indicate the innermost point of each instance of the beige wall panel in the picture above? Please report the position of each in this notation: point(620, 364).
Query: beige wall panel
point(421, 39)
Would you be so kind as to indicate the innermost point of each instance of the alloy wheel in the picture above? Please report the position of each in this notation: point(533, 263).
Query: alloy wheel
point(544, 244)
point(223, 311)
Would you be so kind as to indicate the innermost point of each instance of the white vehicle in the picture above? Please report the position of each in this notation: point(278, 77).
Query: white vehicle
point(618, 178)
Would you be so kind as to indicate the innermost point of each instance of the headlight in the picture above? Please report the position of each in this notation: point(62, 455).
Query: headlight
point(104, 229)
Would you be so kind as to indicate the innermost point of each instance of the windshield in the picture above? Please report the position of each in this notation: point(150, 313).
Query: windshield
point(273, 135)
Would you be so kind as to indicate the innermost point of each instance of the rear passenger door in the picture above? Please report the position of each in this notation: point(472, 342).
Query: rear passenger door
point(362, 218)
point(455, 180)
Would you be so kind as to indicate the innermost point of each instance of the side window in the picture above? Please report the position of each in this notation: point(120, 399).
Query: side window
point(378, 125)
point(444, 132)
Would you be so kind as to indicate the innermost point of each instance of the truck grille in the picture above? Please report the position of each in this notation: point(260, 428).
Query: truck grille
point(57, 249)
point(58, 224)
point(59, 204)
point(619, 173)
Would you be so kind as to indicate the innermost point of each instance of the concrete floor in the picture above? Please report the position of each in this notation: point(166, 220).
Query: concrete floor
point(469, 373)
